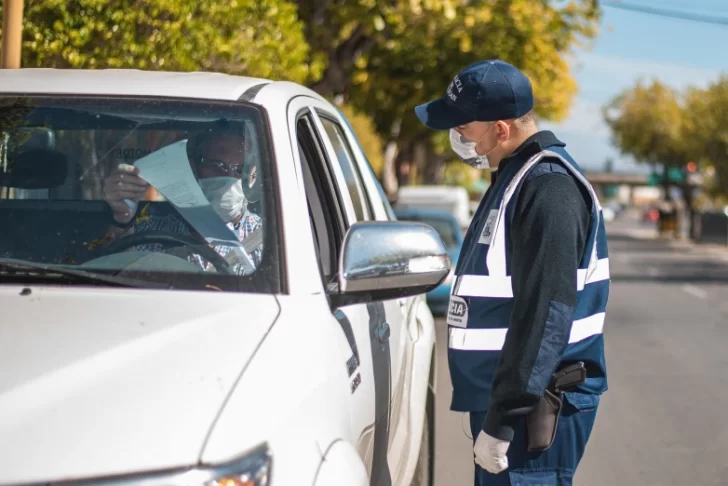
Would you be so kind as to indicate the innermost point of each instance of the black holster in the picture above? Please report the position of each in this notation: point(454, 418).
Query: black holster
point(541, 424)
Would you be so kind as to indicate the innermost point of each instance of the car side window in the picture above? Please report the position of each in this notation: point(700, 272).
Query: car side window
point(325, 210)
point(348, 167)
point(380, 198)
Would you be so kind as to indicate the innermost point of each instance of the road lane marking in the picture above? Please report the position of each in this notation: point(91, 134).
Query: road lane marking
point(694, 291)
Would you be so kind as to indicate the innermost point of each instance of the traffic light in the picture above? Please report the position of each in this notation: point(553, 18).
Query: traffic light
point(691, 167)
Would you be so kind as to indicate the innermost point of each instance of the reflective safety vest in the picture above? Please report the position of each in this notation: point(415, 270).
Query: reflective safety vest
point(481, 299)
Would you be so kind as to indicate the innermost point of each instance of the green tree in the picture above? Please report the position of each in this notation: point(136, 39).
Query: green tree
point(706, 130)
point(264, 38)
point(368, 138)
point(386, 56)
point(648, 122)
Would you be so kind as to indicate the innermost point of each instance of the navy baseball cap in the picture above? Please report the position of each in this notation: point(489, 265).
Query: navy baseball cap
point(485, 91)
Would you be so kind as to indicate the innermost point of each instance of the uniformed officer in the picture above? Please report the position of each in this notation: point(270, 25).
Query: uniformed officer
point(532, 281)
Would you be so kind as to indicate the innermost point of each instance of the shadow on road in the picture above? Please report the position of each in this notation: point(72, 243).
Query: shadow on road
point(639, 244)
point(625, 237)
point(670, 279)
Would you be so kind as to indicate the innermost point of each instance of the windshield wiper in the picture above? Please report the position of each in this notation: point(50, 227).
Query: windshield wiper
point(39, 271)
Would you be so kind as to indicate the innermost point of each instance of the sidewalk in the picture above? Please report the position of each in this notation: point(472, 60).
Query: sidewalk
point(720, 251)
point(635, 229)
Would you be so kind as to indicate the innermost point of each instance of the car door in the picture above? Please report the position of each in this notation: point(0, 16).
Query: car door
point(336, 201)
point(396, 311)
point(401, 439)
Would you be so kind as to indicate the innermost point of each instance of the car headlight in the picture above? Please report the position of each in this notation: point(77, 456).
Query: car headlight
point(253, 469)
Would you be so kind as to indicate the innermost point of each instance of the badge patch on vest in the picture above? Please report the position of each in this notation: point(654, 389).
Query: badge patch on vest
point(457, 312)
point(487, 235)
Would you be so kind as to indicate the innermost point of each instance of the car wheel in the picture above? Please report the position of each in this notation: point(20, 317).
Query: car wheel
point(425, 470)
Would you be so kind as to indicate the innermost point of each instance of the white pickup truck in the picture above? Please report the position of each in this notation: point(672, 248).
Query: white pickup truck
point(271, 333)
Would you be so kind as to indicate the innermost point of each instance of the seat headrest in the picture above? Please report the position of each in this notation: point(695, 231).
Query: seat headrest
point(35, 169)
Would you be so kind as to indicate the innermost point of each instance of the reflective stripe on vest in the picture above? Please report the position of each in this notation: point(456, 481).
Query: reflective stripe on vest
point(493, 339)
point(497, 284)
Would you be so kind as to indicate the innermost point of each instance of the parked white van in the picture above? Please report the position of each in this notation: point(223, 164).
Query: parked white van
point(453, 199)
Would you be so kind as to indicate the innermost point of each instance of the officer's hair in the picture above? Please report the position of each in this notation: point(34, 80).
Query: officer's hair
point(525, 122)
point(198, 144)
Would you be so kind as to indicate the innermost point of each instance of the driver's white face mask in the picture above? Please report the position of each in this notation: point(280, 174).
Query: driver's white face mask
point(225, 195)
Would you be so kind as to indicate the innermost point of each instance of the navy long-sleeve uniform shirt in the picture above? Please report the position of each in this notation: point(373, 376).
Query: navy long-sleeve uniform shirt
point(548, 234)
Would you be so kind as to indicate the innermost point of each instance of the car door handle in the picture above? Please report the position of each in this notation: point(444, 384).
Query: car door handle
point(382, 332)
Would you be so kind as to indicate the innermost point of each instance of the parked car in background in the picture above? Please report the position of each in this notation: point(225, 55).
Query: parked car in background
point(650, 215)
point(453, 199)
point(608, 214)
point(452, 235)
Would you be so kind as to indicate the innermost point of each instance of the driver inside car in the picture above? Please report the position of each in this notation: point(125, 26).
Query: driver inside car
point(228, 179)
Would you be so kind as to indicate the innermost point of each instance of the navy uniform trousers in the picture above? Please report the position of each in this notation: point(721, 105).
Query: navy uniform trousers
point(555, 466)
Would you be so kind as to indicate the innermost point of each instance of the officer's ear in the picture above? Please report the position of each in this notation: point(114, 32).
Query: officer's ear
point(503, 130)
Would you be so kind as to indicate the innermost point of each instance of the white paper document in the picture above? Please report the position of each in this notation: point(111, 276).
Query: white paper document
point(168, 170)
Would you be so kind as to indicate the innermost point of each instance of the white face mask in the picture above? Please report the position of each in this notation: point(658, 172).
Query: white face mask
point(465, 149)
point(225, 195)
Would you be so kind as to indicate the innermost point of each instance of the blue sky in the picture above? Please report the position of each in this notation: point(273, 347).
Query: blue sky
point(633, 45)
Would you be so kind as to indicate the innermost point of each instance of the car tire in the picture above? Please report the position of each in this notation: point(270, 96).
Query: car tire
point(425, 470)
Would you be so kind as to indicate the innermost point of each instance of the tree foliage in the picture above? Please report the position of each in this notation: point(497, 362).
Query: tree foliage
point(263, 38)
point(370, 142)
point(386, 56)
point(659, 126)
point(647, 122)
point(418, 64)
point(706, 130)
point(383, 57)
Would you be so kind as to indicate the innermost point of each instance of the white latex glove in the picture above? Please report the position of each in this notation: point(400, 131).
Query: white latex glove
point(490, 453)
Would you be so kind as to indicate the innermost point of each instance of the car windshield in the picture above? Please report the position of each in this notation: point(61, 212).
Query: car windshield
point(160, 191)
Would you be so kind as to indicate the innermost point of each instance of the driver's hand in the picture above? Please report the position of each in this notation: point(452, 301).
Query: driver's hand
point(124, 183)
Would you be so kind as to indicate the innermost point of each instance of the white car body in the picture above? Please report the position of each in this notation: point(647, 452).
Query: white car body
point(127, 383)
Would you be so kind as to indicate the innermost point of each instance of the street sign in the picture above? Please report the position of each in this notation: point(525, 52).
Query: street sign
point(674, 175)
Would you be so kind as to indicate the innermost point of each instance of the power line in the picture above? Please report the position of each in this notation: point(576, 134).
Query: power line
point(660, 12)
point(707, 7)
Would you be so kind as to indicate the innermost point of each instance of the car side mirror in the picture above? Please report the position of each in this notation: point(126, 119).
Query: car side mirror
point(383, 260)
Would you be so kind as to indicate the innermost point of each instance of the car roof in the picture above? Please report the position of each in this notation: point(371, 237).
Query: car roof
point(136, 82)
point(432, 189)
point(425, 213)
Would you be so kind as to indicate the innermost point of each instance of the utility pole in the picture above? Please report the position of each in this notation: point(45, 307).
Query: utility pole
point(12, 34)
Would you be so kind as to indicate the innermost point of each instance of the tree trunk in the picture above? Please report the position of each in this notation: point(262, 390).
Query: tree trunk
point(665, 182)
point(341, 63)
point(390, 182)
point(688, 193)
point(420, 155)
point(435, 170)
point(403, 163)
point(389, 171)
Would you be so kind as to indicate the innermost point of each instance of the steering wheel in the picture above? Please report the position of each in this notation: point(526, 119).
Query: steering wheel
point(169, 240)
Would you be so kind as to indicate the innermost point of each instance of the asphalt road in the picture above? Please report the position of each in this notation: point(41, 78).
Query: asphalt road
point(664, 419)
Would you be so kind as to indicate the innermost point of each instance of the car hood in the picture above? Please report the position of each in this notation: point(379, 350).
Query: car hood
point(97, 382)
